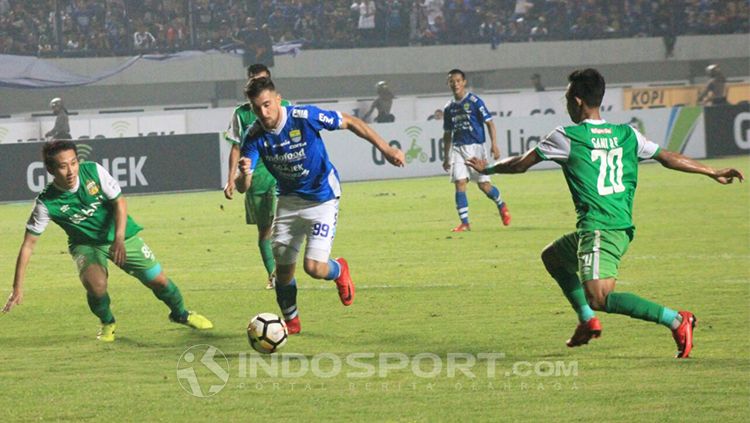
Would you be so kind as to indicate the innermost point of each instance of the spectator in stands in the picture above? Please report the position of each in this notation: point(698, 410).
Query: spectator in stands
point(536, 81)
point(383, 104)
point(366, 21)
point(31, 26)
point(61, 130)
point(143, 39)
point(436, 115)
point(714, 94)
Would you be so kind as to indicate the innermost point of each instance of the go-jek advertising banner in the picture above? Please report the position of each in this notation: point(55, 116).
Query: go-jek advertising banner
point(139, 165)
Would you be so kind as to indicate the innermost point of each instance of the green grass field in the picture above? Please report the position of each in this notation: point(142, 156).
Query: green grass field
point(422, 293)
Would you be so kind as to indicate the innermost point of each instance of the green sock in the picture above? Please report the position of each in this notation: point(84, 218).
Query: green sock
point(266, 253)
point(634, 306)
point(573, 289)
point(172, 297)
point(100, 307)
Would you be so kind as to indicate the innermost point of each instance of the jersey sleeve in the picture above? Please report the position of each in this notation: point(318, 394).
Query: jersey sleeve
point(646, 149)
point(234, 130)
point(249, 148)
point(323, 119)
point(39, 219)
point(110, 187)
point(447, 119)
point(555, 146)
point(482, 109)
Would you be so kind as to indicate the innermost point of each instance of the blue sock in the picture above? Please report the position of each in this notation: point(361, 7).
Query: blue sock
point(668, 318)
point(462, 205)
point(286, 297)
point(334, 270)
point(494, 195)
point(585, 313)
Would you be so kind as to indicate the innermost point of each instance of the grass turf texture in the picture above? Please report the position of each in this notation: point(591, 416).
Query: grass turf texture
point(420, 289)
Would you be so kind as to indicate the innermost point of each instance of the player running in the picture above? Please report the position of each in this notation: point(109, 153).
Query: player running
point(464, 119)
point(288, 140)
point(600, 164)
point(260, 200)
point(86, 202)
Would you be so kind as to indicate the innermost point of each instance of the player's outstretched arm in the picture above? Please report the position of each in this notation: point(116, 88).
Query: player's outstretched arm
point(677, 161)
point(515, 164)
point(364, 131)
point(245, 178)
point(24, 255)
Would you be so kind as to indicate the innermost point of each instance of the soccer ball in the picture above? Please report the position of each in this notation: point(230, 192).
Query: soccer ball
point(267, 333)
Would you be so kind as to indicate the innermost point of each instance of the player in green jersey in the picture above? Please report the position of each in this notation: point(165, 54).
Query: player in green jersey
point(86, 202)
point(260, 200)
point(600, 164)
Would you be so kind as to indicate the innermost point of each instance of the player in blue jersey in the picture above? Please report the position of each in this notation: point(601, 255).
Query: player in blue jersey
point(464, 119)
point(288, 141)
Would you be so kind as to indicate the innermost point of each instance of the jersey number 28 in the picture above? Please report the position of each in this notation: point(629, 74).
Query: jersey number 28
point(610, 169)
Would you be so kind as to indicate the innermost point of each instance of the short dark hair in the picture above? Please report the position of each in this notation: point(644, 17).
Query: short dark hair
point(254, 87)
point(588, 85)
point(457, 72)
point(257, 68)
point(52, 148)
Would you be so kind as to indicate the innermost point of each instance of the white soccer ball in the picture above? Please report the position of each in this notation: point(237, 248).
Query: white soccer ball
point(267, 333)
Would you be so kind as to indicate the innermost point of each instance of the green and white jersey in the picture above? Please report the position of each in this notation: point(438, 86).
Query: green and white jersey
point(600, 163)
point(242, 118)
point(85, 212)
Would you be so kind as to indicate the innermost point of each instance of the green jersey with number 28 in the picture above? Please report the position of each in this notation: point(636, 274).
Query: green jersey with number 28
point(600, 163)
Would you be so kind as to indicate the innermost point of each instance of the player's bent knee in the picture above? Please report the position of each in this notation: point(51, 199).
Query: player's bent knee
point(284, 254)
point(159, 282)
point(315, 268)
point(550, 258)
point(596, 293)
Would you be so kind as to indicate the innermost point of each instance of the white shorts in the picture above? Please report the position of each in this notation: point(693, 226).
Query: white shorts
point(297, 219)
point(459, 169)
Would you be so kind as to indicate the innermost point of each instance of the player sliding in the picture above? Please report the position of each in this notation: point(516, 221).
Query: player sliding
point(288, 141)
point(86, 202)
point(600, 164)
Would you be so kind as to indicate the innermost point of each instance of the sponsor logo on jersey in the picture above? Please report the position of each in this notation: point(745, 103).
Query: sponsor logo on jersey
point(85, 213)
point(92, 188)
point(299, 113)
point(65, 208)
point(286, 157)
point(601, 131)
point(325, 119)
point(296, 135)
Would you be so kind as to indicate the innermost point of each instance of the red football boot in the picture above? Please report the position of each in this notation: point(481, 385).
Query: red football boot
point(584, 332)
point(293, 326)
point(344, 283)
point(683, 335)
point(464, 227)
point(505, 214)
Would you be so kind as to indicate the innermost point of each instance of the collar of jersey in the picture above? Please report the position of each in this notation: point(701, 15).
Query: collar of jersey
point(594, 121)
point(462, 98)
point(72, 190)
point(282, 122)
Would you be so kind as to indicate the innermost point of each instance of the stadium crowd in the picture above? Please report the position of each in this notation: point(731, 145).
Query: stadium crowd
point(126, 27)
